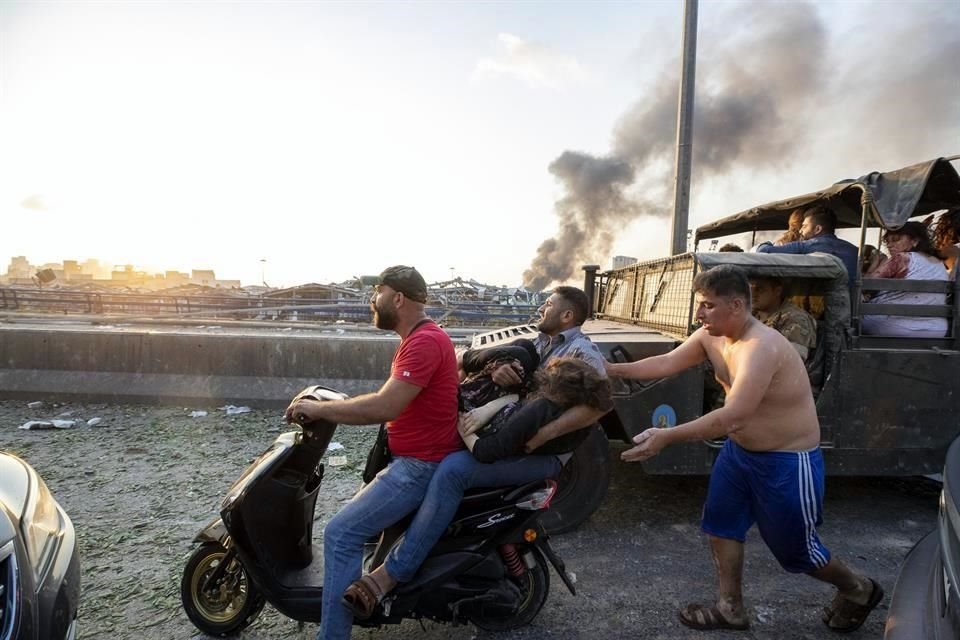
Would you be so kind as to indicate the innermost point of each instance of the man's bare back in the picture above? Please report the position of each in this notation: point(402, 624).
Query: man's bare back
point(786, 417)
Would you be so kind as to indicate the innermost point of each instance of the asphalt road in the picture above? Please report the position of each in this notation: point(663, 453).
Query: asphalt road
point(140, 485)
point(641, 557)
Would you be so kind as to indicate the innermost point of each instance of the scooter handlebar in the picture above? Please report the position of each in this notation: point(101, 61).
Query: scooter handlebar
point(317, 393)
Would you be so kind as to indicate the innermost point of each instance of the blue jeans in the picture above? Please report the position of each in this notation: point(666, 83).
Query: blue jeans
point(458, 472)
point(394, 493)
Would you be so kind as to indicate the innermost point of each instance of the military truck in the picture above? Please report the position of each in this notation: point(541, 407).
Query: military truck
point(887, 405)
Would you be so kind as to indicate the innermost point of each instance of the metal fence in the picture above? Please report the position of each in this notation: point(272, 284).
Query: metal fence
point(655, 294)
point(160, 306)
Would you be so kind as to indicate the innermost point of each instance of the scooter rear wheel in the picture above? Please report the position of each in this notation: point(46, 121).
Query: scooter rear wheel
point(232, 607)
point(534, 585)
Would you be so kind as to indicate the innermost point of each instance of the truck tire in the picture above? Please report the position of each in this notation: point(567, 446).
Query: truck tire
point(582, 485)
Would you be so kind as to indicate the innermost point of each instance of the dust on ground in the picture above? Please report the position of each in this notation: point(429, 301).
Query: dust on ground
point(140, 485)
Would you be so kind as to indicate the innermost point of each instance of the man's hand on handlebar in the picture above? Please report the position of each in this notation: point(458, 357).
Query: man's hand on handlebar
point(303, 410)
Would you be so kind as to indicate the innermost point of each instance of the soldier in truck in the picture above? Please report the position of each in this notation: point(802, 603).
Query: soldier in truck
point(770, 470)
point(771, 307)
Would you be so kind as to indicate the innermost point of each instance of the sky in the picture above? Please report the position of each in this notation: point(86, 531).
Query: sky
point(299, 142)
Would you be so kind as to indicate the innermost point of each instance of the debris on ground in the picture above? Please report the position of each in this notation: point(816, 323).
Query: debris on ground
point(34, 425)
point(233, 410)
point(198, 414)
point(139, 491)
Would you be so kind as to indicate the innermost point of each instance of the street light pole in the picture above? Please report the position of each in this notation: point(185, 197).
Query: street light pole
point(263, 270)
point(688, 65)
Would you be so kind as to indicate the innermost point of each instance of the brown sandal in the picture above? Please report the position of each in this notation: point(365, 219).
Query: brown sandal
point(707, 618)
point(362, 597)
point(844, 615)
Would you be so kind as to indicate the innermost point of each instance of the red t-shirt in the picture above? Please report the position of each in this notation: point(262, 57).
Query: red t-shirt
point(427, 427)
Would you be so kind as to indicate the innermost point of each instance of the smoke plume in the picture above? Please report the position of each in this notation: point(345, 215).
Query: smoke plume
point(765, 85)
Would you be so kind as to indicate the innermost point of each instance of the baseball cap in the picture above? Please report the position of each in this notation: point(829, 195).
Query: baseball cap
point(406, 280)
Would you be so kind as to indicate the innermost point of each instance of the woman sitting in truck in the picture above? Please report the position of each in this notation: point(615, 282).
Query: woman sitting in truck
point(946, 238)
point(911, 258)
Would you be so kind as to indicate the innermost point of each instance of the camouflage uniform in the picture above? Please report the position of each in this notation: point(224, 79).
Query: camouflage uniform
point(795, 324)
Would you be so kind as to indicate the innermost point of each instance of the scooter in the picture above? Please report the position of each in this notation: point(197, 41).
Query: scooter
point(488, 569)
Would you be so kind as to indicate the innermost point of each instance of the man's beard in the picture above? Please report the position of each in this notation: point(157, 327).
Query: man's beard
point(546, 325)
point(385, 319)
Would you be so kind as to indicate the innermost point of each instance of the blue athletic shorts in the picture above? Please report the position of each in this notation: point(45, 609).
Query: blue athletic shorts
point(782, 491)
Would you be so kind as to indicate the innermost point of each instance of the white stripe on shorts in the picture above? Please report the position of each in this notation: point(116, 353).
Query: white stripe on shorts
point(808, 503)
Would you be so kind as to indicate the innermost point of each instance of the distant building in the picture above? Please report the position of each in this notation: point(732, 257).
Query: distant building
point(19, 268)
point(175, 278)
point(203, 277)
point(129, 277)
point(71, 270)
point(95, 268)
point(619, 262)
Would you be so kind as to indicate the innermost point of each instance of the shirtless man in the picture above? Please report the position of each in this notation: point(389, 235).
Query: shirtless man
point(770, 470)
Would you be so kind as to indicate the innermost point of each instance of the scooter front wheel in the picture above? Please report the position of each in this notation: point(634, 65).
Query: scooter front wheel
point(230, 606)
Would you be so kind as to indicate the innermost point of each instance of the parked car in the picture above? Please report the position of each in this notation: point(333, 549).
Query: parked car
point(39, 560)
point(926, 600)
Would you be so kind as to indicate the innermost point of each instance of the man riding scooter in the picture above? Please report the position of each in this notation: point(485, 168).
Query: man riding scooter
point(419, 405)
point(560, 335)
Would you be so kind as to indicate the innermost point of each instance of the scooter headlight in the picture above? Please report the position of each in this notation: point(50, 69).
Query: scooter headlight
point(40, 526)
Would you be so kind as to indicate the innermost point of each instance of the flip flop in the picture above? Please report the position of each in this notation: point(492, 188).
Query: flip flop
point(362, 597)
point(708, 618)
point(844, 615)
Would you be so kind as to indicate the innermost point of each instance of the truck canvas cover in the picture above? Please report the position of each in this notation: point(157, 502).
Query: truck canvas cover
point(895, 197)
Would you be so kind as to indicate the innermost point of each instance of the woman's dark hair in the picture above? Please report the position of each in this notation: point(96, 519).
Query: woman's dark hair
point(917, 231)
point(946, 232)
point(570, 382)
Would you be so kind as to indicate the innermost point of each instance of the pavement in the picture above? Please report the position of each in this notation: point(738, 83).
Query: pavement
point(641, 558)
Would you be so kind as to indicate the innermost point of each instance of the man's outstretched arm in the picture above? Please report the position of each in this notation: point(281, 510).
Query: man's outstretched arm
point(748, 390)
point(570, 420)
point(688, 354)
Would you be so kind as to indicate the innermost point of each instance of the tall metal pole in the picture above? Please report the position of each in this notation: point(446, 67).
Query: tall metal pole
point(688, 63)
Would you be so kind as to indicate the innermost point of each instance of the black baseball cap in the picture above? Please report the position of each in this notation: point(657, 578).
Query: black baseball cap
point(406, 280)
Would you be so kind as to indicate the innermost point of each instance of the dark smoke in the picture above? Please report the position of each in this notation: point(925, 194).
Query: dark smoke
point(765, 88)
point(596, 202)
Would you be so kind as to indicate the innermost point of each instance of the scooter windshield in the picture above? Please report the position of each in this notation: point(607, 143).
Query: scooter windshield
point(259, 466)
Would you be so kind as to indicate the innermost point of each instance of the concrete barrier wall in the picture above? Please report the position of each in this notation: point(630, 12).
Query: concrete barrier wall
point(171, 367)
